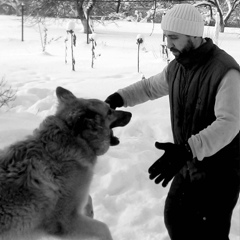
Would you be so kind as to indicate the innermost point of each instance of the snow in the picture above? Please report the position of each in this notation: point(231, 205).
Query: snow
point(123, 196)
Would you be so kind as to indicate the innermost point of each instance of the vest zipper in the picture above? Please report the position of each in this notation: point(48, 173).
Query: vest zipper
point(184, 95)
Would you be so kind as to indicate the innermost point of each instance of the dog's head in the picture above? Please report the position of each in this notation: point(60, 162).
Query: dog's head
point(91, 120)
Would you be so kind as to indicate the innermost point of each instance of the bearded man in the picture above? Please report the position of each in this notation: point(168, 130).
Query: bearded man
point(203, 84)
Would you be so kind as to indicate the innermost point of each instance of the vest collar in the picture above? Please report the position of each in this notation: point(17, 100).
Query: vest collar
point(196, 56)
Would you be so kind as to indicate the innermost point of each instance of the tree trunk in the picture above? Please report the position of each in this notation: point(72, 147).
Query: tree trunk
point(222, 24)
point(118, 6)
point(86, 27)
point(82, 16)
point(222, 27)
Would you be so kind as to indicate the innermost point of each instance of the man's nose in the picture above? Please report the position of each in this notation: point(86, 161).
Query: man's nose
point(169, 43)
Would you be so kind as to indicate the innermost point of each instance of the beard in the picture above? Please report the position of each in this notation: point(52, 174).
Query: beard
point(184, 52)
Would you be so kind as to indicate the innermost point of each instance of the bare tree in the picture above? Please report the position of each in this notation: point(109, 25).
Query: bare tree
point(83, 14)
point(225, 8)
point(7, 94)
point(62, 8)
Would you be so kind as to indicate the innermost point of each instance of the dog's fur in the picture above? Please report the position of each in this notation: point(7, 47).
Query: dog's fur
point(45, 179)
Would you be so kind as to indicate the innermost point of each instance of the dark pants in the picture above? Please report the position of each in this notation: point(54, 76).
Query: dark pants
point(202, 209)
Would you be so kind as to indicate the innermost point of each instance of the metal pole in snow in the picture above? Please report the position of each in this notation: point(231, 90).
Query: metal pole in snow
point(139, 41)
point(22, 5)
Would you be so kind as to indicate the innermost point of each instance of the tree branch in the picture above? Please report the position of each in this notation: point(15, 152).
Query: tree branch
point(7, 94)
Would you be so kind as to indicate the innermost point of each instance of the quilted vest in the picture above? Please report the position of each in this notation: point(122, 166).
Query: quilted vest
point(193, 84)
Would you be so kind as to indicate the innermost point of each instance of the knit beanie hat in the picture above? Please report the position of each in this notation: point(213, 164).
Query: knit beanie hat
point(184, 19)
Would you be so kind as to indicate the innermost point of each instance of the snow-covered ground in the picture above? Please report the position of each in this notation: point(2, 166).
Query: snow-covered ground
point(123, 196)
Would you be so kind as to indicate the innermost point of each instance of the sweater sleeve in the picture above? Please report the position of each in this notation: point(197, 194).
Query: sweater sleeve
point(146, 89)
point(227, 124)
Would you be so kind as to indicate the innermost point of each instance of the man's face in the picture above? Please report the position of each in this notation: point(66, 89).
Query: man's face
point(178, 43)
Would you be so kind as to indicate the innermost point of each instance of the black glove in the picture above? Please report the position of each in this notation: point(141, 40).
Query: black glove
point(171, 162)
point(115, 100)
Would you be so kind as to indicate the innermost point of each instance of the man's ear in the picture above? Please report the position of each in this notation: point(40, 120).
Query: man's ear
point(64, 95)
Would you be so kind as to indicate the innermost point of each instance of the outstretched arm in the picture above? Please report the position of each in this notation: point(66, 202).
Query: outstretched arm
point(145, 90)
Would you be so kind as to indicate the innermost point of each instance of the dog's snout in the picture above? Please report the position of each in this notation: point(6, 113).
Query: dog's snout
point(128, 117)
point(122, 119)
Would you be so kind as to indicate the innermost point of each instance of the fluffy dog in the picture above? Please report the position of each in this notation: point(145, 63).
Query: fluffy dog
point(45, 179)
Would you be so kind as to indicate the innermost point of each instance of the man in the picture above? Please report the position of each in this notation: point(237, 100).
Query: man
point(203, 84)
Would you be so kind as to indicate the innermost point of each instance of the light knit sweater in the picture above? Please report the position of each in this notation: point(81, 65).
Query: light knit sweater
point(227, 110)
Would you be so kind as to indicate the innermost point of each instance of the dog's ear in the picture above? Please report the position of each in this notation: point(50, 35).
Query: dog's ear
point(64, 95)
